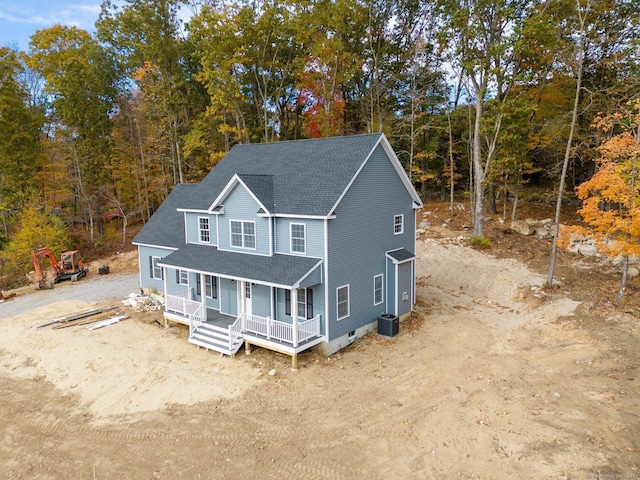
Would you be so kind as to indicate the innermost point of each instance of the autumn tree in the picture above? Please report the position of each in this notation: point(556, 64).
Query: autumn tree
point(611, 198)
point(37, 228)
point(81, 78)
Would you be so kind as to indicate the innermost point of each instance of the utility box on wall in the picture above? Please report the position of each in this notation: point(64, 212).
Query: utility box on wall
point(388, 325)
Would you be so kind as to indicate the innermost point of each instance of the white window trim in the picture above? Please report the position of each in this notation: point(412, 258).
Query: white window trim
point(304, 238)
point(255, 235)
point(185, 280)
point(381, 276)
point(338, 303)
point(401, 216)
point(201, 230)
point(154, 262)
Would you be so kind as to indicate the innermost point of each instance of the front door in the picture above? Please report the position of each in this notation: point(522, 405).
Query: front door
point(247, 298)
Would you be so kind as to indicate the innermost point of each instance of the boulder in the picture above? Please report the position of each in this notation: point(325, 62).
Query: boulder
point(633, 272)
point(522, 227)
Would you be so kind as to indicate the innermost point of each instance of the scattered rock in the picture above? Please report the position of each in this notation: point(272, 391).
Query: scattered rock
point(272, 372)
point(633, 272)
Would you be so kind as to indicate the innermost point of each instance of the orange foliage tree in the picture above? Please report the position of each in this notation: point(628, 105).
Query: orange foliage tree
point(611, 198)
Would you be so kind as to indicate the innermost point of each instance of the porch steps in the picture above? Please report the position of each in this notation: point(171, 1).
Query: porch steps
point(215, 338)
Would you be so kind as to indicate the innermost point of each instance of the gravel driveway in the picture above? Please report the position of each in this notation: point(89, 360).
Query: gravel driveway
point(91, 289)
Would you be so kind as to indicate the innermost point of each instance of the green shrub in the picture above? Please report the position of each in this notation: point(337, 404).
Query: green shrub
point(481, 243)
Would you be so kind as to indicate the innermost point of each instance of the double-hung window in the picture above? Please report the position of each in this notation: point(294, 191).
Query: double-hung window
point(342, 301)
point(377, 289)
point(204, 230)
point(298, 244)
point(182, 277)
point(155, 270)
point(211, 286)
point(304, 303)
point(243, 234)
point(398, 224)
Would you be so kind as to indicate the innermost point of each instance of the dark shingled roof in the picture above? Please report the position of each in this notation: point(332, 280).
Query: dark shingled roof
point(262, 188)
point(284, 270)
point(308, 175)
point(166, 226)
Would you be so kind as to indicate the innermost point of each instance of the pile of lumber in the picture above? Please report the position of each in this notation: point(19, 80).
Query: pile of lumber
point(95, 319)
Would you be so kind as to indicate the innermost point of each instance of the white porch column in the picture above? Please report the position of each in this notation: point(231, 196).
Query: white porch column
point(203, 295)
point(164, 283)
point(294, 315)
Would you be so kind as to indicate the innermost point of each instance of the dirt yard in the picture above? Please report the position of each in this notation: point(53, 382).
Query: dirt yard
point(495, 378)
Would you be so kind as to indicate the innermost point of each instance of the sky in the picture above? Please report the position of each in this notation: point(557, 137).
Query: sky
point(19, 19)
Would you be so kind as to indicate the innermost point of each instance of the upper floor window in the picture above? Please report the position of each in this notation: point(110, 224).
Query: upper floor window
point(205, 231)
point(243, 234)
point(398, 224)
point(298, 244)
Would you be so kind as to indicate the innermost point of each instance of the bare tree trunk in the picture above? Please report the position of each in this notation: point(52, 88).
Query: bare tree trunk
point(567, 152)
point(451, 165)
point(634, 159)
point(89, 209)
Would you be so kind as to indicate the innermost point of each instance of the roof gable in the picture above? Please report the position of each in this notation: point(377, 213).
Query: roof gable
point(308, 176)
point(260, 187)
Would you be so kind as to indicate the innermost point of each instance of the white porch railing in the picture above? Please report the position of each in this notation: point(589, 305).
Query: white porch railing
point(197, 318)
point(282, 331)
point(180, 303)
point(235, 332)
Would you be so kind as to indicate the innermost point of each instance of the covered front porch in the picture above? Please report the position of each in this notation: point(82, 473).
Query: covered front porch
point(225, 333)
point(272, 308)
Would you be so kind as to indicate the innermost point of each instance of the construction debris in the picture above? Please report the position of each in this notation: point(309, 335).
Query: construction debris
point(144, 303)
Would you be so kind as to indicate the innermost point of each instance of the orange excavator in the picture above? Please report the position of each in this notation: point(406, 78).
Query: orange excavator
point(70, 267)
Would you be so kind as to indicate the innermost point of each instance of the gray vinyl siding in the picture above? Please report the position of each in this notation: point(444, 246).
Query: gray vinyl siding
point(228, 297)
point(314, 236)
point(240, 205)
point(261, 304)
point(193, 227)
point(146, 281)
point(360, 235)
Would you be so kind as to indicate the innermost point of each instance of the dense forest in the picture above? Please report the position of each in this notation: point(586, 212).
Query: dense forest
point(477, 97)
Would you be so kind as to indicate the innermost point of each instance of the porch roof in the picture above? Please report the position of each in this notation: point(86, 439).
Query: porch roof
point(400, 256)
point(285, 271)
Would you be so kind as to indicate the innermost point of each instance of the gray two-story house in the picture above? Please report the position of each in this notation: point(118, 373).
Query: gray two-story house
point(286, 245)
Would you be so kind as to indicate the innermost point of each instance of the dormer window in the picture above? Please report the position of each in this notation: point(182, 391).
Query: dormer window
point(204, 229)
